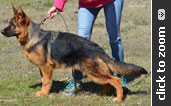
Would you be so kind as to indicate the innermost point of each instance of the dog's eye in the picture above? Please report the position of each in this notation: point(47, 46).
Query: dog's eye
point(14, 25)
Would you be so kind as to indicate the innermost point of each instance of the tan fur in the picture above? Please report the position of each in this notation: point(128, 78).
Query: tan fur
point(37, 57)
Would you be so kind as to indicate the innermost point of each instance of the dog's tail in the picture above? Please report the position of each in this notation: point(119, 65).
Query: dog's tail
point(122, 68)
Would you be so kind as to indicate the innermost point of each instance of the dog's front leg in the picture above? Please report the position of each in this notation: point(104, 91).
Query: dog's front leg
point(46, 78)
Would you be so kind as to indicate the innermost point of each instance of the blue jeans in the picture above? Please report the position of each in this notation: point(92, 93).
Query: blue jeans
point(86, 19)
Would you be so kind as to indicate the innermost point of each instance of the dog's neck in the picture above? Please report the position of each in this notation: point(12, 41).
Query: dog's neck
point(33, 29)
point(31, 39)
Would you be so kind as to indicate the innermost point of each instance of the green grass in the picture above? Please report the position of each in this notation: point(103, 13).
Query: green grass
point(140, 21)
point(24, 4)
point(19, 79)
point(99, 24)
point(106, 45)
point(128, 28)
point(48, 3)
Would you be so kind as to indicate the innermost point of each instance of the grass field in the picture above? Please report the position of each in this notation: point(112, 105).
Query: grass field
point(19, 79)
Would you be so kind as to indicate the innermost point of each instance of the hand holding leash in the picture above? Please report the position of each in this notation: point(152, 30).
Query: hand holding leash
point(53, 11)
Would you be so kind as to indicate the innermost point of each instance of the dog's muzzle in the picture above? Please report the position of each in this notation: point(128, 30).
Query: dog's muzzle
point(3, 32)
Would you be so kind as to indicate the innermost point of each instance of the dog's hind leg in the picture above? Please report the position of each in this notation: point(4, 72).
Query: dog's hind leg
point(101, 75)
point(106, 89)
point(46, 79)
point(116, 82)
point(107, 80)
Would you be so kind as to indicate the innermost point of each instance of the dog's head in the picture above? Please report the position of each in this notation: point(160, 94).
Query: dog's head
point(17, 25)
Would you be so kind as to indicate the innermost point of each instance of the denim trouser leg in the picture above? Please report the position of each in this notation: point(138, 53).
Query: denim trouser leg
point(113, 12)
point(86, 19)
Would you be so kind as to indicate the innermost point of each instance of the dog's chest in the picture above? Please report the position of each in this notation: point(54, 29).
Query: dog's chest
point(37, 56)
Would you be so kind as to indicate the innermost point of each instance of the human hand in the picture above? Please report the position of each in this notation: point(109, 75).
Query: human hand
point(52, 12)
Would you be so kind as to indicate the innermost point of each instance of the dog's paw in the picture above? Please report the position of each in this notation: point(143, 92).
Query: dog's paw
point(116, 100)
point(40, 93)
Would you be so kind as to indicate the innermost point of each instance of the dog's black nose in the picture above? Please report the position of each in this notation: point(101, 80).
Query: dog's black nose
point(3, 32)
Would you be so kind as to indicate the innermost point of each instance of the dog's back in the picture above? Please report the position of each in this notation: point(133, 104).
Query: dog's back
point(70, 49)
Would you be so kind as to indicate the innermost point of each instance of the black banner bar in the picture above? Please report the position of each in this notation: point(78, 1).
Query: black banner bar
point(161, 55)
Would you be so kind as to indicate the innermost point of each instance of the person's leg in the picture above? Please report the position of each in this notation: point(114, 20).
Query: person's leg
point(113, 12)
point(86, 19)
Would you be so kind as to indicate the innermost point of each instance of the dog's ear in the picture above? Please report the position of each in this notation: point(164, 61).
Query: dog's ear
point(22, 17)
point(21, 13)
point(15, 11)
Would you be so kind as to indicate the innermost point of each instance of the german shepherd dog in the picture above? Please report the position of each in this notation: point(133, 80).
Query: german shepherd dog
point(60, 50)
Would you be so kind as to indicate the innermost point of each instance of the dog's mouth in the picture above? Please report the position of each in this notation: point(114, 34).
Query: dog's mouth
point(3, 32)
